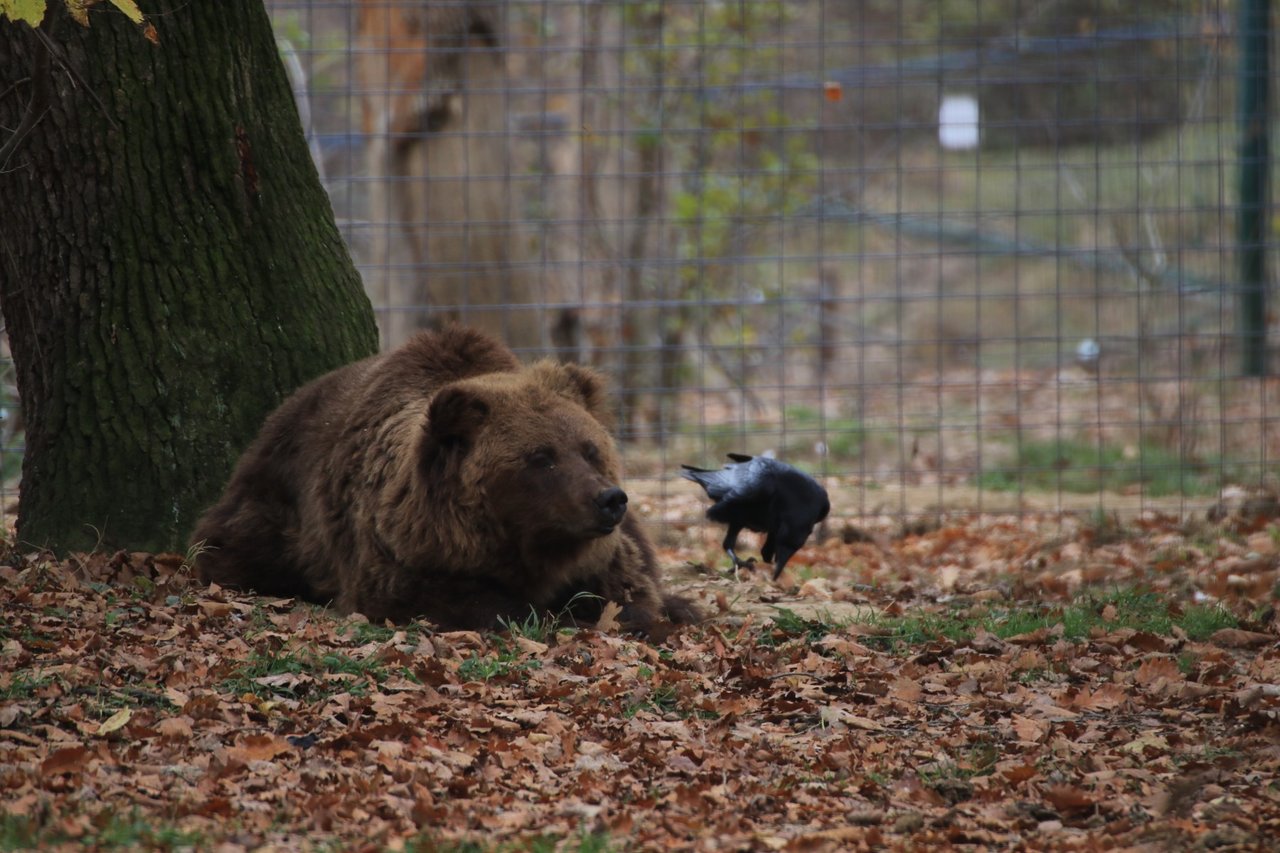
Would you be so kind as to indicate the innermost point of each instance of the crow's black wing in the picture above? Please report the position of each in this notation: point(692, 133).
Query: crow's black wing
point(746, 494)
point(746, 482)
point(713, 482)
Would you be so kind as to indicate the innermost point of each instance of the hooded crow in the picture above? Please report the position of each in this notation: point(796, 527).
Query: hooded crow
point(767, 496)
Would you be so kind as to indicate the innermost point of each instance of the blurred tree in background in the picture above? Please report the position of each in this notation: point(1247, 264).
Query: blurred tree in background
point(700, 196)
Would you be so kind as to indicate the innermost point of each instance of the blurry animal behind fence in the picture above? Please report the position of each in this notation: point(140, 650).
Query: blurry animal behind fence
point(432, 83)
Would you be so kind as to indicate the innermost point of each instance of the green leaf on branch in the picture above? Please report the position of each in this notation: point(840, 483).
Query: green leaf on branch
point(29, 11)
point(32, 12)
point(130, 9)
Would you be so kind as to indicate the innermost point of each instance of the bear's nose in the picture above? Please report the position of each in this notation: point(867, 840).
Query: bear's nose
point(612, 503)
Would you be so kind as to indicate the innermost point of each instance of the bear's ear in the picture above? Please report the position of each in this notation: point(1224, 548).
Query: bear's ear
point(582, 385)
point(455, 415)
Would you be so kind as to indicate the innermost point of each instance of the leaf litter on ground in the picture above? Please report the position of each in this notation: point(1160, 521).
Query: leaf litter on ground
point(1002, 682)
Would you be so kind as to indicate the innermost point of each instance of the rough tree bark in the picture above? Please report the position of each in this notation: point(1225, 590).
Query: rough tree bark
point(169, 263)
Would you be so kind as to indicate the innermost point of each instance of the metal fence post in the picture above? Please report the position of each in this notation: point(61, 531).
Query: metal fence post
point(1255, 57)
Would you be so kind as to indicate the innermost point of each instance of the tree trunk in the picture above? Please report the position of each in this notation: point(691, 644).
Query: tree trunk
point(169, 264)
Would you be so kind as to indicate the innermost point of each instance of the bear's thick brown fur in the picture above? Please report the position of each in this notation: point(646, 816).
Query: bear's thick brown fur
point(442, 480)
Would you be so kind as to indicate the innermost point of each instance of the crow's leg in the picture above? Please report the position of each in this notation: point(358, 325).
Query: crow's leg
point(785, 553)
point(730, 542)
point(766, 552)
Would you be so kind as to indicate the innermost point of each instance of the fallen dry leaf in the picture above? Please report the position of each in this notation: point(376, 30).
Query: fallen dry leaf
point(1065, 798)
point(64, 760)
point(258, 748)
point(608, 621)
point(1029, 730)
point(1237, 639)
point(115, 722)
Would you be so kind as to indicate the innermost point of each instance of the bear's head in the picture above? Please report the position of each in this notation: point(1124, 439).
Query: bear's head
point(529, 454)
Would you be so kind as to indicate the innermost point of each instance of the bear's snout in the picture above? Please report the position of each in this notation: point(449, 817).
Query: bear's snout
point(612, 504)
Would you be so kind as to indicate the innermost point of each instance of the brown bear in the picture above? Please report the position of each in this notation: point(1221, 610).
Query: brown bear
point(442, 480)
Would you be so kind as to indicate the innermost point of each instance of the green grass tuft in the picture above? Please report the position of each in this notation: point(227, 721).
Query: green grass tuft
point(1084, 467)
point(109, 831)
point(1132, 608)
point(331, 672)
point(505, 660)
point(787, 625)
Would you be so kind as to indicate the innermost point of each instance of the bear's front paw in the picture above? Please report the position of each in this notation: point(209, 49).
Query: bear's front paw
point(681, 610)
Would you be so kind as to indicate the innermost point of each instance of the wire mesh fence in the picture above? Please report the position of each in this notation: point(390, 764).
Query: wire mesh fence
point(970, 256)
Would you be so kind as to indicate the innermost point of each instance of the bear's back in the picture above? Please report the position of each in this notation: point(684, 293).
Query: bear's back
point(373, 413)
point(430, 360)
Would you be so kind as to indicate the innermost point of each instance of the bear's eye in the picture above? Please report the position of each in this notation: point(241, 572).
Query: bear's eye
point(542, 458)
point(591, 453)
